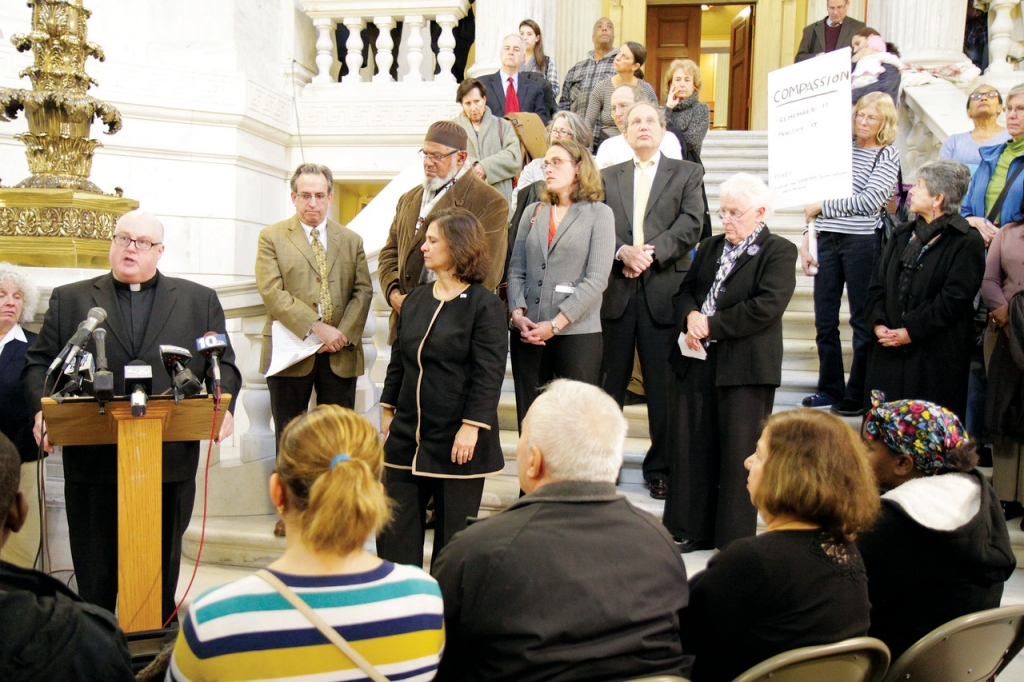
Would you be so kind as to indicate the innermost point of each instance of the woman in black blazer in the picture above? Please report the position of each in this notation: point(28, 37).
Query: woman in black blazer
point(440, 398)
point(564, 249)
point(18, 299)
point(730, 307)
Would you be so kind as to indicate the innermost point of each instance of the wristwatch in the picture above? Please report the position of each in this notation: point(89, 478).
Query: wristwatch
point(554, 328)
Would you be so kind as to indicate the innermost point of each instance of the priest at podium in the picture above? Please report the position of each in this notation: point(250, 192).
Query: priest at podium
point(144, 309)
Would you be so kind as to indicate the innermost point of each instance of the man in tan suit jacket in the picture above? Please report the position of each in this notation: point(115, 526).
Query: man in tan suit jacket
point(289, 279)
point(447, 183)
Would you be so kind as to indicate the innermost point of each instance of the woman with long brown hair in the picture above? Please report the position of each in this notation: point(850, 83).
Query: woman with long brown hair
point(564, 249)
point(536, 59)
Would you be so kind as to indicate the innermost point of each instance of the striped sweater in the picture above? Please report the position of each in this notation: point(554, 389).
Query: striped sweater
point(873, 184)
point(245, 630)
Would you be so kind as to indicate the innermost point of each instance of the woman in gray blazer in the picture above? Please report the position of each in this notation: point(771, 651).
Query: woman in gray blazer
point(563, 253)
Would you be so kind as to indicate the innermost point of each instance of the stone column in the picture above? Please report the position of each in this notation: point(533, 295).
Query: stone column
point(354, 49)
point(324, 50)
point(928, 33)
point(575, 27)
point(495, 19)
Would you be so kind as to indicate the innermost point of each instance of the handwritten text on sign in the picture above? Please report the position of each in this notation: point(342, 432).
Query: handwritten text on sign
point(810, 130)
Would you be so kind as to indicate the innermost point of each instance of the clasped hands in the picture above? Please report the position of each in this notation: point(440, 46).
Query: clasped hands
point(332, 337)
point(696, 329)
point(635, 259)
point(536, 333)
point(891, 338)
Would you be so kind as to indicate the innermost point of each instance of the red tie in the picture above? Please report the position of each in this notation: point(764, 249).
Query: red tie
point(511, 99)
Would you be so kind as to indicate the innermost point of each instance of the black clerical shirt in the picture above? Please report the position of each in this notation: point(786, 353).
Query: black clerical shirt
point(136, 303)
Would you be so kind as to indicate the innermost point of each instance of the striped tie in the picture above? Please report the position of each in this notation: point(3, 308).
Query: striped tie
point(326, 305)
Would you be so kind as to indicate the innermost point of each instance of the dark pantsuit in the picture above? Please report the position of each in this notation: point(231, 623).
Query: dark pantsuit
point(652, 341)
point(844, 260)
point(92, 531)
point(713, 430)
point(575, 356)
point(289, 396)
point(455, 500)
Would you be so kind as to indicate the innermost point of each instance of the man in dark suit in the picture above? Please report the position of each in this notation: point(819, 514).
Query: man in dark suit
point(834, 32)
point(144, 310)
point(312, 275)
point(658, 217)
point(447, 183)
point(508, 90)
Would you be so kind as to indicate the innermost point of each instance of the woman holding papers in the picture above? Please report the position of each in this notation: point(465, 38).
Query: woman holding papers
point(440, 398)
point(728, 364)
point(849, 241)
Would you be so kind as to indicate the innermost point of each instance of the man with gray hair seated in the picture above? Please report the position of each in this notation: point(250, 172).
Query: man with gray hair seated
point(507, 91)
point(587, 586)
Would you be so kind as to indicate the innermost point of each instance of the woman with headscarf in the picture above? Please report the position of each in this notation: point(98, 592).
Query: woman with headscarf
point(939, 548)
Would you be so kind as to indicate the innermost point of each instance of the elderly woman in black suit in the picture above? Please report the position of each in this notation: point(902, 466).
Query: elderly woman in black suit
point(559, 269)
point(730, 307)
point(18, 299)
point(920, 301)
point(440, 398)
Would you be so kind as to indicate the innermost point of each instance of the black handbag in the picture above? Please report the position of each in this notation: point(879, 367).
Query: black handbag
point(890, 221)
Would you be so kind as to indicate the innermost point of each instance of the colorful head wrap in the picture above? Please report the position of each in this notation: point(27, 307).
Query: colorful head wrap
point(922, 430)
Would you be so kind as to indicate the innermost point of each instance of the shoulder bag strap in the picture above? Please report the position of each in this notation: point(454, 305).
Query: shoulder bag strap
point(993, 215)
point(321, 625)
point(534, 218)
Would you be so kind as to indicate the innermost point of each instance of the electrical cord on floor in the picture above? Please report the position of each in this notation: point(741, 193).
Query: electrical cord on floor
point(206, 497)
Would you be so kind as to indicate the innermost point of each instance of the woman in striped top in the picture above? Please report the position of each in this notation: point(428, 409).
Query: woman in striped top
point(536, 60)
point(326, 487)
point(848, 248)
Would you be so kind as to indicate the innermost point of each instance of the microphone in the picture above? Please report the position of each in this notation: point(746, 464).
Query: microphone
point(103, 378)
point(138, 383)
point(183, 380)
point(80, 338)
point(86, 368)
point(213, 345)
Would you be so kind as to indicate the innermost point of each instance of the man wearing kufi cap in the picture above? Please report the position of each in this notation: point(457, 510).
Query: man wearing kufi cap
point(447, 183)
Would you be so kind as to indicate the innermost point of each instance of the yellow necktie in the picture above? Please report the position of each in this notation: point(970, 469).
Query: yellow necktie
point(326, 305)
point(640, 196)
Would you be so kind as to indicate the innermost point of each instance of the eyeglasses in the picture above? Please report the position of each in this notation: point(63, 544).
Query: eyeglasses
point(867, 118)
point(561, 133)
point(1018, 111)
point(978, 96)
point(124, 240)
point(556, 163)
point(306, 197)
point(436, 158)
point(732, 216)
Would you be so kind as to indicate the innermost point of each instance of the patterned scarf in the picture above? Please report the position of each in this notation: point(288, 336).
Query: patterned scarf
point(725, 265)
point(923, 430)
point(920, 241)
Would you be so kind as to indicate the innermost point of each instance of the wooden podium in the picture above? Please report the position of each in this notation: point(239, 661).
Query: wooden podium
point(76, 421)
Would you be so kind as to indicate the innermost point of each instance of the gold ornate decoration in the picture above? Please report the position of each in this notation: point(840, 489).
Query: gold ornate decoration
point(56, 217)
point(58, 110)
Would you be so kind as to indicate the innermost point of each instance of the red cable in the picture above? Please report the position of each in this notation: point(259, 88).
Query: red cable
point(206, 497)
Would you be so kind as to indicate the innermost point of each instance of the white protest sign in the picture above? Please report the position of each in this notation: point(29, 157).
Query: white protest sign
point(810, 130)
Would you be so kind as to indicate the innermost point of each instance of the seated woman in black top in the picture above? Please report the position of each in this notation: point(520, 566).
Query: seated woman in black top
point(939, 548)
point(803, 582)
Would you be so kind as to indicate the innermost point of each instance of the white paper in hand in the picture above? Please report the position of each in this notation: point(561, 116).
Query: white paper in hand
point(287, 348)
point(688, 352)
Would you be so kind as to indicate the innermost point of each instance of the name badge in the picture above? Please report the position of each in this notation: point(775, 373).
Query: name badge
point(564, 288)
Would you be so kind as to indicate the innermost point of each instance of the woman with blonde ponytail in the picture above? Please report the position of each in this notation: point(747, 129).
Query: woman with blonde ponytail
point(326, 487)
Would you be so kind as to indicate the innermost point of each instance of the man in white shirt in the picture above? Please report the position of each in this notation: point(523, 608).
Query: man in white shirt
point(616, 149)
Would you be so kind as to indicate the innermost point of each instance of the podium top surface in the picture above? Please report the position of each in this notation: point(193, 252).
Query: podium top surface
point(77, 421)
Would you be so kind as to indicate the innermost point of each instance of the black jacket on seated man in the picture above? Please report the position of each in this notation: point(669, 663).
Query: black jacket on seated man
point(569, 583)
point(529, 92)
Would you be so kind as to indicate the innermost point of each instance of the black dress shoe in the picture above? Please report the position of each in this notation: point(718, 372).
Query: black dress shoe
point(658, 488)
point(848, 408)
point(687, 546)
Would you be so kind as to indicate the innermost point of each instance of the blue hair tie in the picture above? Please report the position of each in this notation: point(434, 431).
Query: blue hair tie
point(339, 458)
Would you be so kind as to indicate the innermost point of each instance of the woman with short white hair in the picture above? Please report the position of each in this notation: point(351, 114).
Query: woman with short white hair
point(729, 362)
point(18, 299)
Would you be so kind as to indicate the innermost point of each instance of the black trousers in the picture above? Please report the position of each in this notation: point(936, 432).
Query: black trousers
point(573, 356)
point(713, 429)
point(92, 531)
point(289, 396)
point(636, 329)
point(455, 500)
